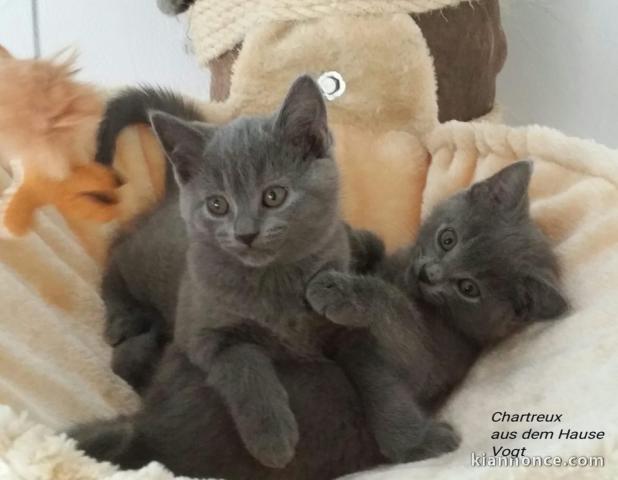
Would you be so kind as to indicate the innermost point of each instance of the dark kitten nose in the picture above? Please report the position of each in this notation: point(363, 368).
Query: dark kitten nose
point(246, 238)
point(430, 273)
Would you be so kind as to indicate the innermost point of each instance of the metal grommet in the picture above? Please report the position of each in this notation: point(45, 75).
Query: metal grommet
point(332, 85)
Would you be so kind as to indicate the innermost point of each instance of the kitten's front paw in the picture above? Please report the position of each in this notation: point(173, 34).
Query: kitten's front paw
point(271, 438)
point(119, 327)
point(135, 359)
point(440, 438)
point(403, 441)
point(125, 323)
point(331, 295)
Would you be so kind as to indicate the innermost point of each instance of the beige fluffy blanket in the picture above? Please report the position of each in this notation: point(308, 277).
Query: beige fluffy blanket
point(54, 365)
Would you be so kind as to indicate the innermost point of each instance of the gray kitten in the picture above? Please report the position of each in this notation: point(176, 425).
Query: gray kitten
point(479, 271)
point(260, 201)
point(259, 217)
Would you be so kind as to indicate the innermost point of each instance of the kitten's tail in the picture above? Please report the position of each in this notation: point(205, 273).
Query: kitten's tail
point(132, 106)
point(367, 250)
point(115, 441)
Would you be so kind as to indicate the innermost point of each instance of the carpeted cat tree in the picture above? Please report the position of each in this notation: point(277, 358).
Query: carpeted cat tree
point(411, 87)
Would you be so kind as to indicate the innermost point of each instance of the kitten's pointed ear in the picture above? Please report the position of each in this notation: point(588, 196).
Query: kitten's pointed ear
point(507, 189)
point(541, 299)
point(182, 141)
point(302, 118)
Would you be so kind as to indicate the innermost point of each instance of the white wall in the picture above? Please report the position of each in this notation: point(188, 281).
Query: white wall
point(120, 41)
point(561, 70)
point(16, 27)
point(562, 66)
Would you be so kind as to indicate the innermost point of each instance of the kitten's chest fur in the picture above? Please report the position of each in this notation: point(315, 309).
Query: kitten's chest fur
point(272, 297)
point(263, 295)
point(449, 354)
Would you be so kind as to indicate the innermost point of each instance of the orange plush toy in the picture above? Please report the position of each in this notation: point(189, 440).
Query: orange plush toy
point(48, 123)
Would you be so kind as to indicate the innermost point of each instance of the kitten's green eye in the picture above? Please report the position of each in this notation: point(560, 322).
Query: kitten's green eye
point(217, 205)
point(468, 288)
point(447, 239)
point(273, 197)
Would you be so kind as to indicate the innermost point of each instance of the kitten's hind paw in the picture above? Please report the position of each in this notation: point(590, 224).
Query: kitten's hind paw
point(104, 440)
point(440, 438)
point(130, 322)
point(136, 359)
point(403, 442)
point(118, 328)
point(333, 295)
point(272, 439)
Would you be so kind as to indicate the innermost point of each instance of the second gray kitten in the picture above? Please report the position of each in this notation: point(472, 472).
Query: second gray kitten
point(479, 271)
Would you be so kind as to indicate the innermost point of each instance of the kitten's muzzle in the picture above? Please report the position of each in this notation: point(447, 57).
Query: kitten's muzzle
point(431, 273)
point(246, 238)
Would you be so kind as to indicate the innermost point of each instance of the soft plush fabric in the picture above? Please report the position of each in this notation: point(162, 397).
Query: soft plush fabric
point(568, 366)
point(52, 360)
point(30, 451)
point(465, 75)
point(216, 27)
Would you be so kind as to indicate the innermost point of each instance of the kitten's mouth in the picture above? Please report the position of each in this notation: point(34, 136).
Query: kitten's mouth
point(419, 289)
point(429, 293)
point(255, 257)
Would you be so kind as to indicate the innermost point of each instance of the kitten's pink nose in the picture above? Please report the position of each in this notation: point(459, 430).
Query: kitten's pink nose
point(246, 238)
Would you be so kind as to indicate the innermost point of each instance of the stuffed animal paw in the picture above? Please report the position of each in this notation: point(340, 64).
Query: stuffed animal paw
point(89, 192)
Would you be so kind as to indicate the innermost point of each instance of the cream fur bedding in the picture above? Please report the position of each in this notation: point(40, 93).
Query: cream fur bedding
point(54, 365)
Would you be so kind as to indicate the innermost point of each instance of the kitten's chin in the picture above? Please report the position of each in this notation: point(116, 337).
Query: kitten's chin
point(255, 259)
point(420, 291)
point(429, 294)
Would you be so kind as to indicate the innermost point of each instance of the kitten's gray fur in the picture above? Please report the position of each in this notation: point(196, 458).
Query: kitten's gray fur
point(231, 284)
point(248, 266)
point(418, 321)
